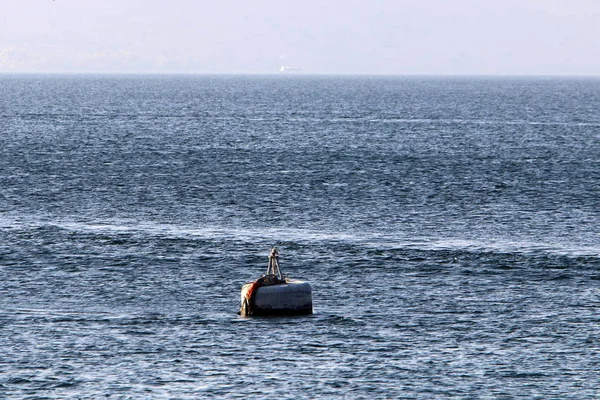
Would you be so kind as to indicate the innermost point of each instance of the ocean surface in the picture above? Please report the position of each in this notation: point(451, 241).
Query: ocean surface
point(449, 227)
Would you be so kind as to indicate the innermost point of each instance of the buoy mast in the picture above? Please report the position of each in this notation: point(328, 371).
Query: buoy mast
point(273, 267)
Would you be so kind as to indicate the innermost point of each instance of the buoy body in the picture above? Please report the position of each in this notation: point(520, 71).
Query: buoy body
point(292, 297)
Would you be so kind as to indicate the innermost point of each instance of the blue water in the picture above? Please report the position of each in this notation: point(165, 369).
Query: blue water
point(448, 227)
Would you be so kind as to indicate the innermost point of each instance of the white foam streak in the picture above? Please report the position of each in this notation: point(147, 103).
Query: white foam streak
point(496, 246)
point(388, 241)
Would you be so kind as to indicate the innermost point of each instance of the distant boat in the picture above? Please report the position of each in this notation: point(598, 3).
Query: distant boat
point(285, 68)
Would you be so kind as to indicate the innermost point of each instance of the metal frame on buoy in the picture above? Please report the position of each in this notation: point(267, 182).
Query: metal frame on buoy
point(273, 267)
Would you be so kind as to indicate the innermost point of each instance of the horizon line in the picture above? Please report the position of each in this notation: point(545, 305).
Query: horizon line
point(301, 74)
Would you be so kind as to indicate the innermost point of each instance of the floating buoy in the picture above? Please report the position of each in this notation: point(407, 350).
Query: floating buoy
point(274, 294)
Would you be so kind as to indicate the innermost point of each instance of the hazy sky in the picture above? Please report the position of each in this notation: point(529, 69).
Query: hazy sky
point(319, 36)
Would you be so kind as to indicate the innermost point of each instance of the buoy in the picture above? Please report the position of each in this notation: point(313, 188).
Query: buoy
point(274, 294)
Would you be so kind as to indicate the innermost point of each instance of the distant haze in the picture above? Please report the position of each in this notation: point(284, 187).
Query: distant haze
point(518, 37)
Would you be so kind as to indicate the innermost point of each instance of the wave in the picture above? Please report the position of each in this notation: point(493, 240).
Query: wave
point(481, 122)
point(499, 246)
point(284, 235)
point(341, 119)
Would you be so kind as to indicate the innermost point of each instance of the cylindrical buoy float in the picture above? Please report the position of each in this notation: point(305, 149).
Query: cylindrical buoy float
point(274, 295)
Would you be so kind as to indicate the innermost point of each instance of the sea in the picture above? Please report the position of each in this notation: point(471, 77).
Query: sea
point(449, 228)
